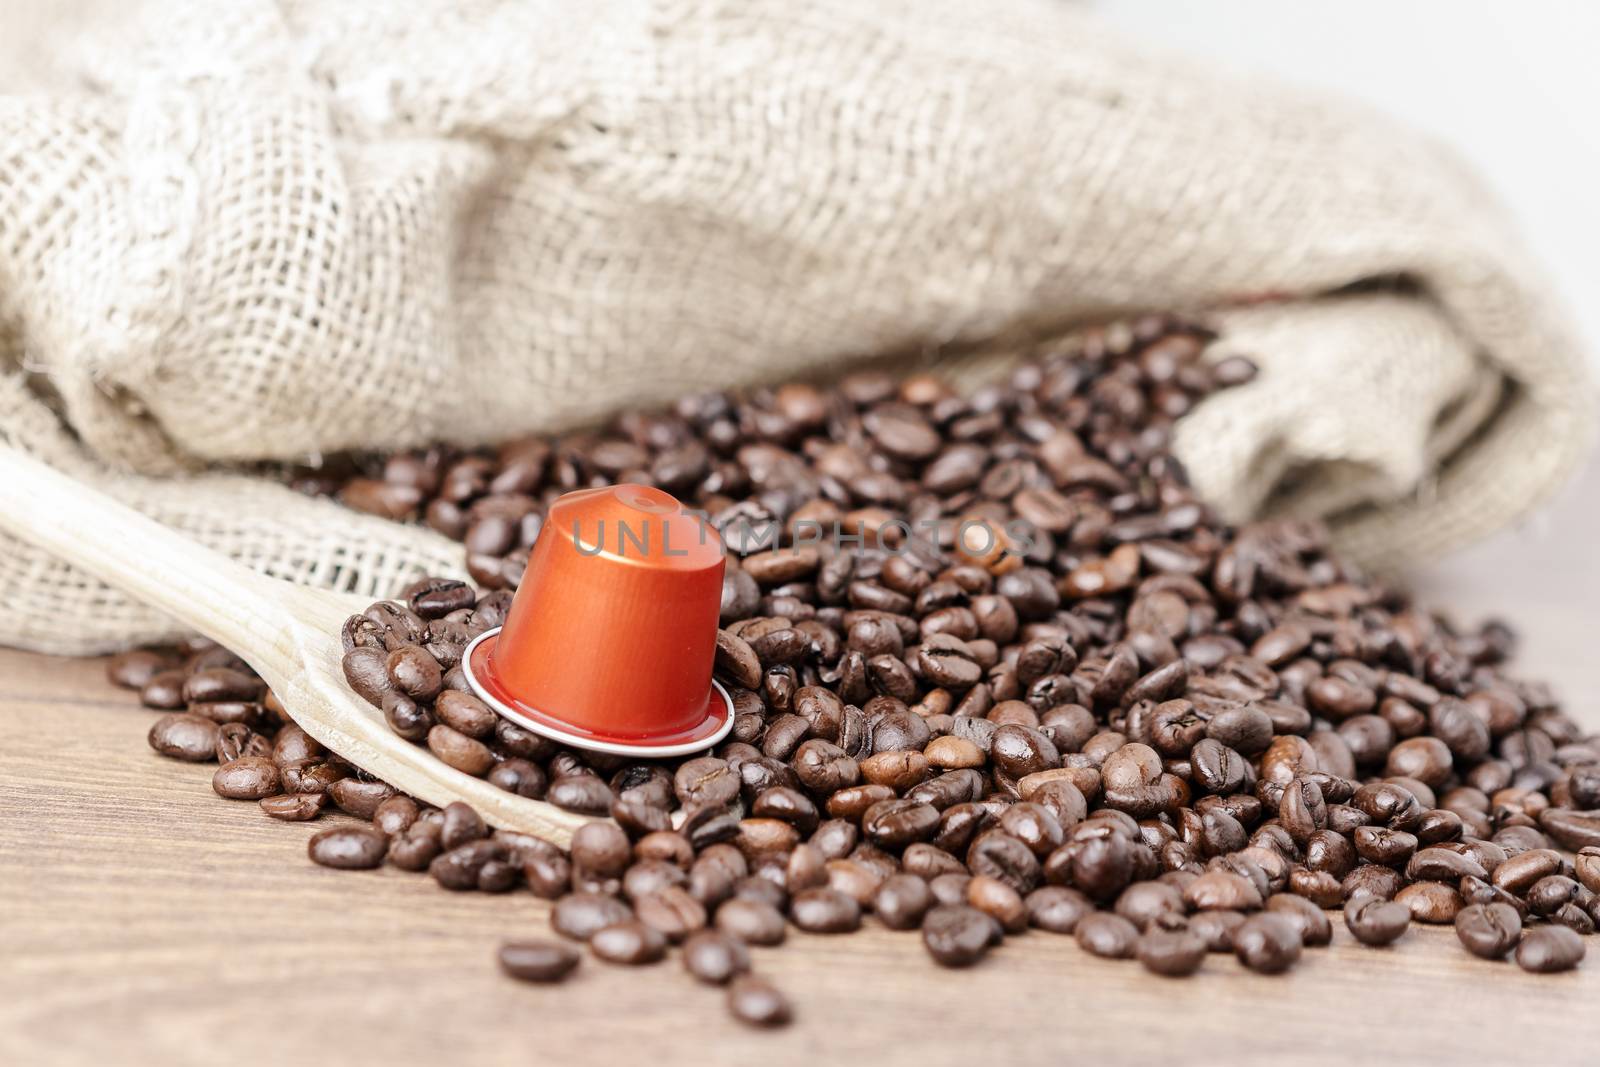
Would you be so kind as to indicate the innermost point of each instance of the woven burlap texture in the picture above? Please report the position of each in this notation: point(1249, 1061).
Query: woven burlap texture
point(244, 230)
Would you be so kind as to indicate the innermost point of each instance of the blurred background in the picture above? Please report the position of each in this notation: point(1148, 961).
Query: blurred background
point(1514, 87)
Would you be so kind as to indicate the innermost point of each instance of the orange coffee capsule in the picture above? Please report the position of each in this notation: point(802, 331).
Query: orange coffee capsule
point(611, 637)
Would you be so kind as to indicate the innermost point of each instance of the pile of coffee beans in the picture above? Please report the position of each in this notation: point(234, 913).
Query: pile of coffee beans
point(1025, 681)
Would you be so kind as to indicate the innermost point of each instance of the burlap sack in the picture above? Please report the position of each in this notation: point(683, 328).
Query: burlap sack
point(247, 229)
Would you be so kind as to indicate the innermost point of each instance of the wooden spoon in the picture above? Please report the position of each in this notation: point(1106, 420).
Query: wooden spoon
point(288, 633)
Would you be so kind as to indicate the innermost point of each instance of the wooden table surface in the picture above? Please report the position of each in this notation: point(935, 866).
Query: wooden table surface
point(143, 920)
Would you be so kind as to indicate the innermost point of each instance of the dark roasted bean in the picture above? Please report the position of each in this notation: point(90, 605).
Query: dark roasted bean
point(715, 958)
point(185, 737)
point(294, 807)
point(755, 1002)
point(957, 935)
point(1105, 934)
point(628, 942)
point(1172, 953)
point(824, 911)
point(350, 848)
point(1374, 921)
point(581, 915)
point(1489, 930)
point(247, 778)
point(1268, 943)
point(1549, 949)
point(539, 960)
point(751, 921)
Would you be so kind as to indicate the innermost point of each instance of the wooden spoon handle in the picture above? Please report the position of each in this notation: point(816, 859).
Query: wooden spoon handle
point(123, 548)
point(288, 633)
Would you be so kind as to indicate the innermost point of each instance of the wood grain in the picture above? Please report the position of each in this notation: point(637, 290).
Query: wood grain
point(145, 921)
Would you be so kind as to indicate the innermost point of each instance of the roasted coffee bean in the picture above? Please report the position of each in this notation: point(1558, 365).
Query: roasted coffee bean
point(901, 901)
point(294, 807)
point(1144, 903)
point(359, 798)
point(231, 712)
point(790, 805)
point(1375, 921)
point(999, 901)
point(247, 778)
point(1587, 866)
point(952, 753)
point(1550, 893)
point(461, 752)
point(414, 672)
point(601, 848)
point(648, 875)
point(1107, 935)
point(1443, 865)
point(1549, 949)
point(1380, 845)
point(415, 849)
point(1247, 730)
point(1518, 873)
point(823, 911)
point(293, 744)
point(582, 793)
point(1268, 943)
point(1572, 830)
point(350, 848)
point(135, 669)
point(1314, 927)
point(1057, 908)
point(540, 960)
point(462, 868)
point(715, 958)
point(672, 911)
point(548, 873)
point(1222, 890)
point(395, 814)
point(1431, 902)
point(629, 942)
point(751, 921)
point(824, 767)
point(755, 1002)
point(580, 916)
point(367, 672)
point(221, 684)
point(236, 739)
point(958, 935)
point(1172, 953)
point(164, 690)
point(185, 737)
point(497, 876)
point(460, 824)
point(1001, 856)
point(465, 713)
point(525, 779)
point(1217, 768)
point(1216, 928)
point(897, 823)
point(706, 782)
point(312, 776)
point(1020, 751)
point(1489, 930)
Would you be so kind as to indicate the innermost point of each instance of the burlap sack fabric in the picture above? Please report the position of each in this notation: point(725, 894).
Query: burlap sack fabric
point(242, 230)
